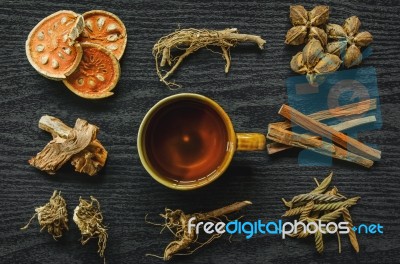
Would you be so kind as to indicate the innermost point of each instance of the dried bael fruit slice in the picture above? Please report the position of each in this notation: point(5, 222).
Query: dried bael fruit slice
point(96, 75)
point(51, 48)
point(106, 29)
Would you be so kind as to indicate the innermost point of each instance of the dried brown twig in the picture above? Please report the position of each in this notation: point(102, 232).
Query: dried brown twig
point(190, 40)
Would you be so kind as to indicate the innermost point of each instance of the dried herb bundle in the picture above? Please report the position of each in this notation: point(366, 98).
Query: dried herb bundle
point(322, 205)
point(347, 41)
point(191, 40)
point(78, 144)
point(53, 216)
point(177, 222)
point(89, 219)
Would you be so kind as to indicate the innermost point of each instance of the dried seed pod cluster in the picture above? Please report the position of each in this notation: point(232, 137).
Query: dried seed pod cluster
point(307, 25)
point(313, 61)
point(322, 205)
point(81, 50)
point(320, 56)
point(347, 41)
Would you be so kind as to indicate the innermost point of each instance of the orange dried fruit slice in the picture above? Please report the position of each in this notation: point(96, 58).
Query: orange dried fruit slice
point(97, 73)
point(51, 48)
point(106, 29)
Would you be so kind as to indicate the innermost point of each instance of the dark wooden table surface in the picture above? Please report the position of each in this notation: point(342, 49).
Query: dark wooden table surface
point(251, 94)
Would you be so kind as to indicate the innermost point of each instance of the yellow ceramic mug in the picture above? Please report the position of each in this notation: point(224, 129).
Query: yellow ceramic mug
point(186, 141)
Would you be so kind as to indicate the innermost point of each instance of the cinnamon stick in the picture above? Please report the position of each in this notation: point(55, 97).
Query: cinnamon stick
point(290, 138)
point(275, 147)
point(328, 132)
point(341, 111)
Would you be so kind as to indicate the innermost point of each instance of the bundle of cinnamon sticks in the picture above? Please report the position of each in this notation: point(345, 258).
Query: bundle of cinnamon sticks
point(342, 147)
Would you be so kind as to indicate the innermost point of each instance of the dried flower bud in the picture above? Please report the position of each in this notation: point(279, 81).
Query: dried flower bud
point(297, 64)
point(351, 25)
point(363, 39)
point(329, 63)
point(296, 35)
point(318, 34)
point(319, 15)
point(352, 57)
point(335, 31)
point(337, 48)
point(298, 15)
point(312, 53)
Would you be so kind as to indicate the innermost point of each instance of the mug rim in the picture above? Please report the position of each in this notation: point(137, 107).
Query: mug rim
point(231, 144)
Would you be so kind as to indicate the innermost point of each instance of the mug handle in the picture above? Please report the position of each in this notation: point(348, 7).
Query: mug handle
point(250, 141)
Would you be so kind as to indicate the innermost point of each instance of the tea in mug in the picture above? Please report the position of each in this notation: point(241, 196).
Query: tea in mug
point(186, 140)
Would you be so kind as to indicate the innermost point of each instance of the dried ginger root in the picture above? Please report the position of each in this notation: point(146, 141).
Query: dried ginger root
point(78, 144)
point(177, 222)
point(190, 40)
point(53, 216)
point(89, 219)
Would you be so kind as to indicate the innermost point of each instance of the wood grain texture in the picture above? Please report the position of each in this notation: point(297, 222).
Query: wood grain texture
point(251, 94)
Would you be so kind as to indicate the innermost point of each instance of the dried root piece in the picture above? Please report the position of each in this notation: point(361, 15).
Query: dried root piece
point(52, 216)
point(97, 74)
point(190, 40)
point(59, 150)
point(77, 144)
point(106, 29)
point(51, 47)
point(89, 219)
point(177, 222)
point(90, 160)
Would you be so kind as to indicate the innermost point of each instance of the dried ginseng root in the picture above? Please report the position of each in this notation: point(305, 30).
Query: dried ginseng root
point(97, 73)
point(187, 240)
point(51, 47)
point(89, 219)
point(322, 205)
point(190, 40)
point(52, 216)
point(78, 145)
point(106, 29)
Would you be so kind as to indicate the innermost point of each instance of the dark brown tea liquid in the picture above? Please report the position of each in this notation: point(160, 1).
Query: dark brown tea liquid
point(186, 141)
